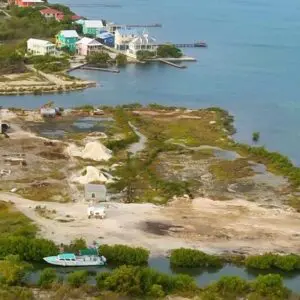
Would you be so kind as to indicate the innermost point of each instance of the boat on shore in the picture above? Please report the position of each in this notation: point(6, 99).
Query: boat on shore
point(86, 257)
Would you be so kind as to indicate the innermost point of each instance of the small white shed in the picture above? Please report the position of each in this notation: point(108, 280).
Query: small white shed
point(95, 192)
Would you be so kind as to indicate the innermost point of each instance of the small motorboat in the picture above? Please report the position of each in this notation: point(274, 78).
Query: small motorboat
point(86, 257)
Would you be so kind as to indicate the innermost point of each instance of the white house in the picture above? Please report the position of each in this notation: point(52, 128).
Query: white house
point(86, 46)
point(40, 47)
point(142, 42)
point(123, 37)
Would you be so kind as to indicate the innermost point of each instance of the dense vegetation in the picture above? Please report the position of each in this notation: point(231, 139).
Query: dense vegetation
point(98, 58)
point(144, 54)
point(268, 261)
point(139, 281)
point(169, 51)
point(48, 64)
point(11, 60)
point(121, 59)
point(14, 223)
point(121, 254)
point(28, 249)
point(190, 258)
point(268, 287)
point(29, 23)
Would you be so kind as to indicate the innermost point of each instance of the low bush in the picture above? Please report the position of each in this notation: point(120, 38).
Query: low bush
point(269, 287)
point(28, 249)
point(77, 278)
point(121, 254)
point(268, 260)
point(13, 270)
point(190, 258)
point(47, 278)
point(141, 281)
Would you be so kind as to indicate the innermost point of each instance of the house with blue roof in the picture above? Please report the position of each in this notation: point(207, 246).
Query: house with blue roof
point(123, 37)
point(106, 38)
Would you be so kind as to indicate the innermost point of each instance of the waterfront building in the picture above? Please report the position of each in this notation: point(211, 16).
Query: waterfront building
point(87, 46)
point(123, 37)
point(50, 13)
point(67, 39)
point(92, 27)
point(142, 42)
point(106, 38)
point(26, 3)
point(40, 47)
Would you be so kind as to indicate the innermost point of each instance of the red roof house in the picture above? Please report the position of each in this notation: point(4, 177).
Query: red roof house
point(52, 13)
point(27, 3)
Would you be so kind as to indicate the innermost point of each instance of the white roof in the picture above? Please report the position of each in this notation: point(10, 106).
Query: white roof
point(88, 41)
point(144, 39)
point(40, 42)
point(69, 33)
point(94, 23)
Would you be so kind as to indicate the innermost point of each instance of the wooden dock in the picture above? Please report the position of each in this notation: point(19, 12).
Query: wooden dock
point(187, 45)
point(167, 62)
point(156, 25)
point(100, 69)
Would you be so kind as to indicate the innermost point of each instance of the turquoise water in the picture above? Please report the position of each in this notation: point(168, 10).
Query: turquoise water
point(251, 66)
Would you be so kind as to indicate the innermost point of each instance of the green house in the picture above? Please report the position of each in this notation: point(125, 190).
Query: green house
point(92, 27)
point(67, 39)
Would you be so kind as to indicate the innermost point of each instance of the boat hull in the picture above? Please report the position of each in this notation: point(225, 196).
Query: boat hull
point(53, 260)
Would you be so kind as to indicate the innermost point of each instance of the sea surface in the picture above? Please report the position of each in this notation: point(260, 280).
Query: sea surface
point(251, 66)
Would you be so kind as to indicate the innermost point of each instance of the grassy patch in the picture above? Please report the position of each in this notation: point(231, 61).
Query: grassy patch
point(13, 222)
point(202, 154)
point(226, 170)
point(44, 191)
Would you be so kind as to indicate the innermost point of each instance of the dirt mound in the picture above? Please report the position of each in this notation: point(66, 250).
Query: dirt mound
point(91, 174)
point(92, 150)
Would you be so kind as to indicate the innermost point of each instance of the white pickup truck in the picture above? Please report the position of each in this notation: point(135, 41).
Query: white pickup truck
point(97, 212)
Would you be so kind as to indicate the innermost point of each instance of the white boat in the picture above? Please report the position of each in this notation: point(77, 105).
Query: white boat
point(86, 257)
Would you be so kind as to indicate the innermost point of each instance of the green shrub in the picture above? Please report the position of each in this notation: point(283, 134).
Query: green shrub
point(121, 254)
point(77, 278)
point(169, 51)
point(15, 293)
point(190, 258)
point(267, 261)
point(13, 270)
point(75, 245)
point(269, 286)
point(255, 136)
point(27, 249)
point(121, 59)
point(47, 278)
point(262, 262)
point(231, 285)
point(156, 291)
point(141, 281)
point(144, 54)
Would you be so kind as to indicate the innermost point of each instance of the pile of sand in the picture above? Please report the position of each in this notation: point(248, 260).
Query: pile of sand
point(92, 150)
point(92, 174)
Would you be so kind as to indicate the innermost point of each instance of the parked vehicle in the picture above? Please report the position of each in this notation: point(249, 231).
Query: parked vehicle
point(98, 212)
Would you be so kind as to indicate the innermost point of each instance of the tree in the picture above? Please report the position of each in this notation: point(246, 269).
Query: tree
point(13, 270)
point(96, 58)
point(255, 136)
point(144, 54)
point(121, 59)
point(169, 51)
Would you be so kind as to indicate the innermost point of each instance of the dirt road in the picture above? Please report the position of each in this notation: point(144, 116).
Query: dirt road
point(212, 226)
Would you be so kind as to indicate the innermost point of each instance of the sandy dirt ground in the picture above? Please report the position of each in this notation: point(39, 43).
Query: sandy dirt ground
point(236, 226)
point(217, 227)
